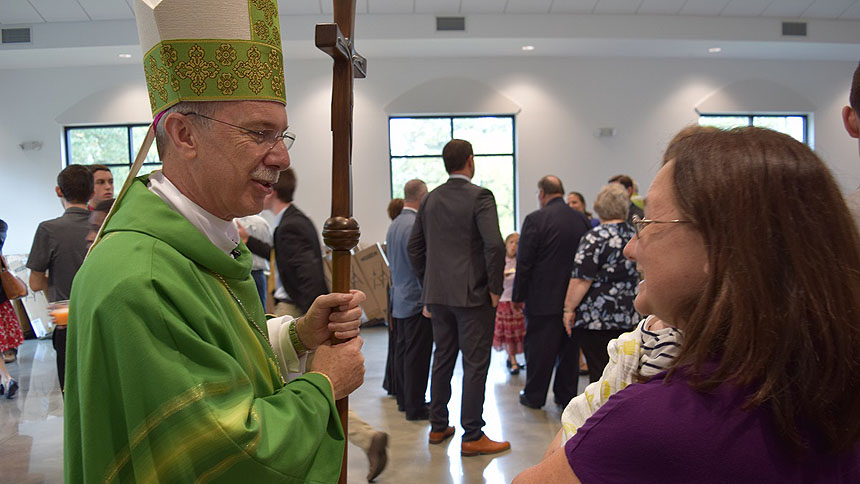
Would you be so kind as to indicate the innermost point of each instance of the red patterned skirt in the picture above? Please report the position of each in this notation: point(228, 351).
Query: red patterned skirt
point(510, 328)
point(10, 329)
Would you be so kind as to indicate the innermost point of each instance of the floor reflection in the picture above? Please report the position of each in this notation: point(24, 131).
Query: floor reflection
point(31, 425)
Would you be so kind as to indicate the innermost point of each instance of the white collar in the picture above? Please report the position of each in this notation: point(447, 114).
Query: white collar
point(411, 209)
point(457, 175)
point(222, 233)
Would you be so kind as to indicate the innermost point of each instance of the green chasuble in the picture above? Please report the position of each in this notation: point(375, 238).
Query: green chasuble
point(167, 379)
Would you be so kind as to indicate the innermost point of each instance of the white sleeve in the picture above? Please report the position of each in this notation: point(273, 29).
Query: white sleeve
point(289, 362)
point(622, 368)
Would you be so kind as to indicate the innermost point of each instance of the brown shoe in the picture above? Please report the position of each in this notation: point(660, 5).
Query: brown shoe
point(483, 446)
point(439, 437)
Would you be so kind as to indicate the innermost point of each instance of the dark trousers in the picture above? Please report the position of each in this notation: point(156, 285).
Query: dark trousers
point(548, 348)
point(469, 330)
point(389, 383)
point(593, 343)
point(59, 340)
point(413, 347)
point(260, 280)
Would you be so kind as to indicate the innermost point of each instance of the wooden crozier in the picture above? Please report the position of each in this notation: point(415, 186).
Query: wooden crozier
point(341, 231)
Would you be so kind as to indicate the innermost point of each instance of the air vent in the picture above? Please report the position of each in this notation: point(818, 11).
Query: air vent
point(797, 29)
point(16, 36)
point(455, 24)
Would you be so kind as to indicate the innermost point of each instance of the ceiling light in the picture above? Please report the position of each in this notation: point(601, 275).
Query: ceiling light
point(715, 50)
point(124, 56)
point(528, 48)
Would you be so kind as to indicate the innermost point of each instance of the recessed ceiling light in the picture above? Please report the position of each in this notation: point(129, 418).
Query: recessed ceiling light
point(124, 56)
point(528, 48)
point(715, 50)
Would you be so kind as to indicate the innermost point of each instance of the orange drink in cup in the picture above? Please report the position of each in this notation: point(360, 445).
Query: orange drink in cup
point(59, 311)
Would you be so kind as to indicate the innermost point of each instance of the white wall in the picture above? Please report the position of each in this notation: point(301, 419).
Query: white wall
point(563, 101)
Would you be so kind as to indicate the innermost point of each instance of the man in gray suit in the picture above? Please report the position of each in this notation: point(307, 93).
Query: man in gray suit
point(457, 251)
point(414, 333)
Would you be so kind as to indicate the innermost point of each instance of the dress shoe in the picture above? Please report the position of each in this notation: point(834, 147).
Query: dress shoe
point(525, 402)
point(439, 437)
point(483, 446)
point(12, 390)
point(2, 389)
point(377, 455)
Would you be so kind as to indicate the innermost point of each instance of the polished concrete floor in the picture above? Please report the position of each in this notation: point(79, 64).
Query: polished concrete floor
point(31, 424)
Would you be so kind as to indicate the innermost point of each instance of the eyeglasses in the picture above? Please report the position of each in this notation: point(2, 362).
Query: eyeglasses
point(269, 137)
point(639, 224)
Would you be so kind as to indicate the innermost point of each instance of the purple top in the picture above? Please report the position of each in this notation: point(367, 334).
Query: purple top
point(661, 433)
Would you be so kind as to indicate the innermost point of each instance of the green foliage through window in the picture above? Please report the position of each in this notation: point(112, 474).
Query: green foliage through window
point(112, 146)
point(794, 125)
point(416, 144)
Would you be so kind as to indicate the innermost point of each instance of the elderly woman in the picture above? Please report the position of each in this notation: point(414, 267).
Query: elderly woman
point(764, 388)
point(598, 306)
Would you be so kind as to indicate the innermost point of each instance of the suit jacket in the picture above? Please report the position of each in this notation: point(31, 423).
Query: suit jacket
point(455, 246)
point(548, 243)
point(405, 285)
point(299, 258)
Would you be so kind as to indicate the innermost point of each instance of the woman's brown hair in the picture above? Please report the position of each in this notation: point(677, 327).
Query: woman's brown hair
point(780, 313)
point(395, 206)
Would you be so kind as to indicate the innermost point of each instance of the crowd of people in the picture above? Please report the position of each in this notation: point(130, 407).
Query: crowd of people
point(719, 323)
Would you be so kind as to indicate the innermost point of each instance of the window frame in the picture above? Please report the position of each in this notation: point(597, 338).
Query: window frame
point(451, 118)
point(129, 139)
point(750, 115)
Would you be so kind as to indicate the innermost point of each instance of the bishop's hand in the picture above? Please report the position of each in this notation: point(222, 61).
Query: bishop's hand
point(331, 314)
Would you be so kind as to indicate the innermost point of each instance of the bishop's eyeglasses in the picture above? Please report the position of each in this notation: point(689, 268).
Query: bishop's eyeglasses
point(269, 137)
point(639, 224)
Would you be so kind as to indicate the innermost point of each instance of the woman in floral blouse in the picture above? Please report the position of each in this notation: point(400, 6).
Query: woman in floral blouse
point(598, 306)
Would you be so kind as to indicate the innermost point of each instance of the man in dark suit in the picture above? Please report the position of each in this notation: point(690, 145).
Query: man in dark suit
point(297, 251)
point(547, 247)
point(457, 251)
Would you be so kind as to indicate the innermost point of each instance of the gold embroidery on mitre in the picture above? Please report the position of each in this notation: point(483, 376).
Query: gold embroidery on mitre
point(197, 69)
point(227, 83)
point(168, 55)
point(226, 54)
point(268, 8)
point(254, 70)
point(276, 36)
point(174, 82)
point(261, 29)
point(278, 72)
point(156, 78)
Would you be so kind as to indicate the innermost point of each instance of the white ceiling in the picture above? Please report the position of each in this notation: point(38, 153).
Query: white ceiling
point(94, 32)
point(41, 11)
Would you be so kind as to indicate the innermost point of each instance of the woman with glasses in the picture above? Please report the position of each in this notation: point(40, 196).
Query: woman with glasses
point(598, 306)
point(767, 295)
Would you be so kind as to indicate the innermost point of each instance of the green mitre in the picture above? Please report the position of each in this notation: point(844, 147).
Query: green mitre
point(210, 50)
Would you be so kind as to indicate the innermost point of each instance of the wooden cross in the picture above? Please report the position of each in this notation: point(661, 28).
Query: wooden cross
point(341, 231)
